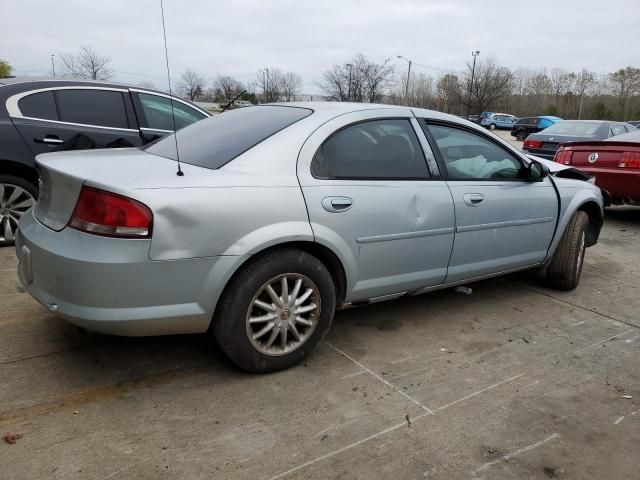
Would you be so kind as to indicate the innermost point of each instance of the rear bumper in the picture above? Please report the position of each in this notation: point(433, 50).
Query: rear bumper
point(546, 154)
point(111, 286)
point(622, 185)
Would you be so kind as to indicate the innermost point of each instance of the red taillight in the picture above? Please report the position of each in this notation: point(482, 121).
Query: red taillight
point(532, 144)
point(630, 160)
point(563, 156)
point(108, 214)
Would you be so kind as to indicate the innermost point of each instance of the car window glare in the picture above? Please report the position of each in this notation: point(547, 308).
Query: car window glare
point(573, 128)
point(469, 156)
point(375, 149)
point(215, 141)
point(158, 112)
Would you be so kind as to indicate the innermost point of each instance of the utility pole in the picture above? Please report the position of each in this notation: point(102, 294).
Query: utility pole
point(265, 83)
point(474, 54)
point(350, 67)
point(53, 66)
point(406, 86)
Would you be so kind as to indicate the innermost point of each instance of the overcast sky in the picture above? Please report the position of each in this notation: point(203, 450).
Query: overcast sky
point(238, 38)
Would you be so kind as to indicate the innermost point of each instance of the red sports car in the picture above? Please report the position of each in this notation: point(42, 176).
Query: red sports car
point(615, 163)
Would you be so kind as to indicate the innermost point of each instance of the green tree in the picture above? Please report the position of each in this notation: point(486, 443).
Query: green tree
point(5, 69)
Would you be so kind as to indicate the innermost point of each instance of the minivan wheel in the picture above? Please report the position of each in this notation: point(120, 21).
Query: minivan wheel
point(492, 126)
point(275, 310)
point(565, 268)
point(521, 135)
point(16, 197)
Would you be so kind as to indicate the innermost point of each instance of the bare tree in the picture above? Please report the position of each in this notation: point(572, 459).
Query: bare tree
point(585, 80)
point(291, 83)
point(276, 85)
point(625, 84)
point(192, 85)
point(226, 88)
point(420, 93)
point(492, 82)
point(450, 90)
point(86, 63)
point(359, 80)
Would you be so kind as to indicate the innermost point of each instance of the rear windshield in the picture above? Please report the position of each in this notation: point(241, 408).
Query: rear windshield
point(215, 141)
point(573, 128)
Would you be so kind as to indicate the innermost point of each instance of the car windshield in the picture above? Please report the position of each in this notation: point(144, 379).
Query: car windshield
point(573, 128)
point(215, 141)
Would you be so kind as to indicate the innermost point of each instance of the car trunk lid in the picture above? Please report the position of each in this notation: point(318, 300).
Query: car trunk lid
point(599, 154)
point(62, 175)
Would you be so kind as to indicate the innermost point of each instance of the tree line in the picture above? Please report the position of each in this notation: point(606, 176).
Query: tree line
point(488, 86)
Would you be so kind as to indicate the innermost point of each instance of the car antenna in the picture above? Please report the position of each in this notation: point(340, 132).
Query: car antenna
point(232, 101)
point(180, 173)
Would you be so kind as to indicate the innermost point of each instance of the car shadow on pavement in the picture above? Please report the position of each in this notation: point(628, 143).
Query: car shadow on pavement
point(627, 213)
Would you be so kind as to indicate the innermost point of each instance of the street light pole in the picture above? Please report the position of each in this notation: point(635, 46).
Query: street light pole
point(474, 54)
point(53, 66)
point(265, 82)
point(406, 86)
point(350, 67)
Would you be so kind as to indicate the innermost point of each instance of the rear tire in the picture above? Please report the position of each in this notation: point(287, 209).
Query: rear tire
point(17, 195)
point(566, 265)
point(521, 135)
point(293, 320)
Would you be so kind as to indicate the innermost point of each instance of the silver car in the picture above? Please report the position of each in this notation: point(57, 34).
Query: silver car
point(278, 215)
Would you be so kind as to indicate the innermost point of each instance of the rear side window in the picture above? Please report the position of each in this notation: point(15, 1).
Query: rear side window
point(157, 111)
point(219, 139)
point(617, 129)
point(104, 108)
point(379, 149)
point(39, 105)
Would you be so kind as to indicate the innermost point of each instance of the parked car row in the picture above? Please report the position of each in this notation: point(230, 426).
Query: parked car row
point(546, 142)
point(43, 116)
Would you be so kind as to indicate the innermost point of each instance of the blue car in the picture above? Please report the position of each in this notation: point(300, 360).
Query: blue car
point(497, 120)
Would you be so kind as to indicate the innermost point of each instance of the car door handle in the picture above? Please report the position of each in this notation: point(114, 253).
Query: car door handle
point(473, 199)
point(337, 204)
point(50, 140)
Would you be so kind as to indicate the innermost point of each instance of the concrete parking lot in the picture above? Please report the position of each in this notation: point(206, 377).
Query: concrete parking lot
point(512, 381)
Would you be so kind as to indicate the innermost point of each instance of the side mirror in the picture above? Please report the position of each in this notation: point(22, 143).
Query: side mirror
point(536, 172)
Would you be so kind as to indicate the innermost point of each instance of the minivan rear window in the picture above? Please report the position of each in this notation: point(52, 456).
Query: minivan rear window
point(215, 141)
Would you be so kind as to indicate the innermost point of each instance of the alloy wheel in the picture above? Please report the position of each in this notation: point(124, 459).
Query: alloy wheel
point(283, 314)
point(14, 202)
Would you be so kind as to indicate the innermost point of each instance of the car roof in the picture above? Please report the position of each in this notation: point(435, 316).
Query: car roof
point(333, 109)
point(16, 85)
point(63, 80)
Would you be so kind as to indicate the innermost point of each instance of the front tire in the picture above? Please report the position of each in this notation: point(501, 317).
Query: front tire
point(566, 265)
point(275, 310)
point(492, 126)
point(17, 195)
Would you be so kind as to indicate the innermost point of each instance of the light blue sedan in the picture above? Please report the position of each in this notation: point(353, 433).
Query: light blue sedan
point(498, 120)
point(276, 215)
